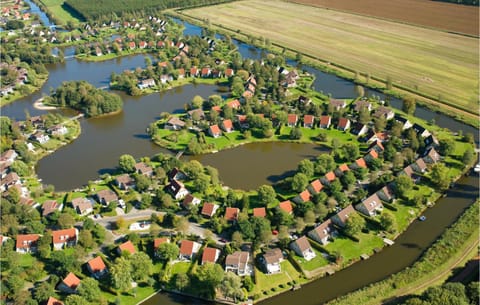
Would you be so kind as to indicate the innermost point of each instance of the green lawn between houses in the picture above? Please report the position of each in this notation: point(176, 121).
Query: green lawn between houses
point(265, 282)
point(351, 250)
point(318, 261)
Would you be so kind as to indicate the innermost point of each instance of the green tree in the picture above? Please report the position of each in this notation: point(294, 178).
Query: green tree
point(468, 156)
point(22, 169)
point(142, 182)
point(354, 224)
point(43, 291)
point(296, 133)
point(350, 151)
point(127, 163)
point(447, 146)
point(409, 105)
point(141, 266)
point(85, 239)
point(266, 194)
point(65, 220)
point(380, 123)
point(403, 184)
point(74, 299)
point(120, 274)
point(90, 290)
point(182, 281)
point(299, 182)
point(197, 102)
point(12, 285)
point(231, 287)
point(388, 222)
point(440, 177)
point(168, 251)
point(209, 275)
point(306, 167)
point(364, 115)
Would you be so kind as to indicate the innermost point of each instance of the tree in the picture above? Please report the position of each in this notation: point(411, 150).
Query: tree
point(85, 239)
point(43, 291)
point(324, 164)
point(447, 146)
point(21, 168)
point(266, 194)
point(296, 134)
point(409, 105)
point(197, 102)
point(141, 265)
point(142, 182)
point(380, 123)
point(309, 217)
point(299, 224)
point(364, 115)
point(74, 299)
point(231, 287)
point(90, 290)
point(127, 163)
point(182, 281)
point(403, 184)
point(299, 182)
point(350, 151)
point(468, 156)
point(439, 176)
point(359, 90)
point(145, 201)
point(209, 275)
point(120, 274)
point(181, 224)
point(65, 262)
point(354, 224)
point(348, 179)
point(306, 167)
point(388, 222)
point(44, 245)
point(12, 285)
point(65, 221)
point(193, 169)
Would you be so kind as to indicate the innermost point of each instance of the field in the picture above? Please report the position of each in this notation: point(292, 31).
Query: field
point(55, 6)
point(436, 63)
point(447, 16)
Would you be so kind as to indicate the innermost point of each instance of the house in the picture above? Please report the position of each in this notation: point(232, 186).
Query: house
point(237, 262)
point(142, 44)
point(370, 206)
point(358, 105)
point(302, 248)
point(8, 156)
point(146, 83)
point(272, 259)
point(196, 114)
point(177, 189)
point(210, 255)
point(190, 201)
point(343, 124)
point(231, 214)
point(193, 71)
point(53, 301)
point(40, 137)
point(125, 182)
point(235, 104)
point(126, 246)
point(57, 130)
point(181, 73)
point(359, 163)
point(325, 121)
point(143, 169)
point(9, 180)
point(214, 131)
point(188, 249)
point(407, 171)
point(227, 125)
point(206, 72)
point(323, 232)
point(106, 196)
point(165, 78)
point(431, 156)
point(259, 212)
point(377, 146)
point(292, 120)
point(69, 284)
point(421, 131)
point(97, 267)
point(157, 242)
point(27, 243)
point(216, 108)
point(370, 156)
point(286, 206)
point(50, 206)
point(82, 206)
point(431, 141)
point(359, 129)
point(329, 177)
point(131, 45)
point(384, 112)
point(209, 209)
point(98, 51)
point(419, 166)
point(406, 124)
point(337, 104)
point(385, 194)
point(308, 121)
point(302, 197)
point(315, 187)
point(341, 169)
point(341, 217)
point(176, 174)
point(64, 238)
point(174, 123)
point(242, 120)
point(229, 72)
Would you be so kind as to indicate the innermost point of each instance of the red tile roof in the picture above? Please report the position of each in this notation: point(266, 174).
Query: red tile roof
point(259, 212)
point(209, 255)
point(158, 241)
point(25, 240)
point(231, 213)
point(63, 236)
point(96, 264)
point(286, 206)
point(235, 104)
point(308, 119)
point(316, 185)
point(186, 247)
point(344, 167)
point(305, 195)
point(324, 120)
point(208, 209)
point(127, 246)
point(217, 109)
point(292, 118)
point(53, 301)
point(49, 207)
point(215, 130)
point(343, 122)
point(373, 154)
point(361, 163)
point(72, 281)
point(227, 124)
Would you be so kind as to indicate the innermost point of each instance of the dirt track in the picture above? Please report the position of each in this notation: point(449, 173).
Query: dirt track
point(440, 15)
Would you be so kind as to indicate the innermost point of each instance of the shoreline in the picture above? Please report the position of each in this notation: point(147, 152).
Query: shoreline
point(41, 106)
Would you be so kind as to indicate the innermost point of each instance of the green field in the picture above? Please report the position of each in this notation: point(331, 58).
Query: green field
point(55, 6)
point(436, 63)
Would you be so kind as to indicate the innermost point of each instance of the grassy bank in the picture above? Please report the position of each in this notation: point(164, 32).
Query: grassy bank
point(408, 55)
point(41, 79)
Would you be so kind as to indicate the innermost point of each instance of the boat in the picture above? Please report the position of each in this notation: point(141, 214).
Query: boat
point(422, 218)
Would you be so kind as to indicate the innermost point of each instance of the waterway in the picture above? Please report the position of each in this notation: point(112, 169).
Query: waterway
point(103, 140)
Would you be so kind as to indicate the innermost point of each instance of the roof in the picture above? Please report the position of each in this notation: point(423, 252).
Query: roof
point(63, 236)
point(292, 118)
point(325, 120)
point(217, 109)
point(209, 255)
point(214, 129)
point(343, 214)
point(316, 185)
point(421, 164)
point(376, 144)
point(337, 103)
point(234, 104)
point(82, 204)
point(372, 202)
point(343, 122)
point(382, 111)
point(189, 200)
point(286, 206)
point(373, 153)
point(176, 121)
point(360, 104)
point(302, 243)
point(361, 162)
point(305, 195)
point(96, 264)
point(231, 213)
point(53, 301)
point(408, 171)
point(227, 124)
point(344, 167)
point(323, 229)
point(237, 258)
point(209, 209)
point(49, 207)
point(71, 280)
point(143, 167)
point(308, 119)
point(158, 241)
point(273, 256)
point(330, 176)
point(259, 212)
point(186, 247)
point(387, 191)
point(24, 240)
point(127, 246)
point(107, 194)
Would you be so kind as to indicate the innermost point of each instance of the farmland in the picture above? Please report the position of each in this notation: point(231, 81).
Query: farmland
point(439, 64)
point(59, 11)
point(448, 16)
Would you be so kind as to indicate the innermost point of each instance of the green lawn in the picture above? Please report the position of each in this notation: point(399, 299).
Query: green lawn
point(55, 6)
point(179, 267)
point(266, 282)
point(351, 250)
point(315, 263)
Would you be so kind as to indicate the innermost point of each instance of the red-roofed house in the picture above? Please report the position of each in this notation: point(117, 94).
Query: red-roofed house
point(359, 163)
point(302, 247)
point(97, 267)
point(206, 72)
point(325, 121)
point(214, 131)
point(210, 255)
point(217, 109)
point(231, 214)
point(235, 104)
point(323, 232)
point(329, 177)
point(64, 238)
point(377, 146)
point(343, 124)
point(188, 249)
point(339, 171)
point(157, 242)
point(209, 209)
point(27, 243)
point(131, 45)
point(227, 125)
point(69, 284)
point(229, 72)
point(292, 120)
point(302, 197)
point(308, 121)
point(259, 212)
point(53, 301)
point(126, 246)
point(193, 71)
point(286, 206)
point(370, 156)
point(315, 187)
